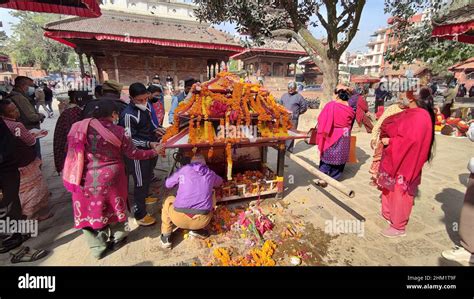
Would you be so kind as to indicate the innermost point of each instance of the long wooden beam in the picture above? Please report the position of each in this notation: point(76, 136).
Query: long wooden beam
point(332, 182)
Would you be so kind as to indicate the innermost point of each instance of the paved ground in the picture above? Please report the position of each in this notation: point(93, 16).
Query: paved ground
point(431, 228)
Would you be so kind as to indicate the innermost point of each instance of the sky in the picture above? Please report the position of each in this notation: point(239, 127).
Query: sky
point(372, 19)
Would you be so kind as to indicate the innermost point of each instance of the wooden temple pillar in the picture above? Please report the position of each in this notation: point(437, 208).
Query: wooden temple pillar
point(89, 62)
point(81, 63)
point(117, 77)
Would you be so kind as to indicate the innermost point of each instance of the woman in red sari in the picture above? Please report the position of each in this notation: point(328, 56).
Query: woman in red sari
point(408, 139)
point(94, 172)
point(334, 135)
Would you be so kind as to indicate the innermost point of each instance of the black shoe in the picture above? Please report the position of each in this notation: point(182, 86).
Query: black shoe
point(200, 233)
point(165, 241)
point(116, 245)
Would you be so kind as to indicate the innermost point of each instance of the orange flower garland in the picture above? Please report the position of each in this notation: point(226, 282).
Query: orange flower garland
point(228, 151)
point(259, 257)
point(192, 131)
point(245, 99)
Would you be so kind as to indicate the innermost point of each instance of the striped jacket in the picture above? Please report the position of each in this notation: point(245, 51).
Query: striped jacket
point(138, 125)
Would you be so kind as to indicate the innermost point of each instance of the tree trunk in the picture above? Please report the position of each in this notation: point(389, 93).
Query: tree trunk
point(330, 79)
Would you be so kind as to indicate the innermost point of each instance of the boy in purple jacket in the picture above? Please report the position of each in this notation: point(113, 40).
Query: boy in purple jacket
point(193, 205)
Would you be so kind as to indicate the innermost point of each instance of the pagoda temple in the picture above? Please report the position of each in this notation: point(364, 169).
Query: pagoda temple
point(134, 40)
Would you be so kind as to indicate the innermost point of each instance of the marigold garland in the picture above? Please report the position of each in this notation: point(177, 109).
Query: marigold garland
point(257, 257)
point(241, 101)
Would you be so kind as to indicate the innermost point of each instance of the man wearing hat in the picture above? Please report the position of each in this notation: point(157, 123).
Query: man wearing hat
point(294, 102)
point(175, 100)
point(111, 90)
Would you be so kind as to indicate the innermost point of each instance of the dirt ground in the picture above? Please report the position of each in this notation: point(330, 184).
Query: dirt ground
point(300, 220)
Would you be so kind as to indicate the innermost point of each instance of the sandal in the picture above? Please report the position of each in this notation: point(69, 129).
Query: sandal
point(10, 244)
point(26, 255)
point(321, 183)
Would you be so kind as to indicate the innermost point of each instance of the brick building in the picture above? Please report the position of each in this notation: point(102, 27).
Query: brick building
point(130, 46)
point(275, 60)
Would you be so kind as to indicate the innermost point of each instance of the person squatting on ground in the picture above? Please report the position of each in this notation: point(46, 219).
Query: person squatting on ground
point(194, 202)
point(94, 172)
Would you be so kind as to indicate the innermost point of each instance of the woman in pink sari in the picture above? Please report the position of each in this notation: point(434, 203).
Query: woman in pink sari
point(408, 139)
point(334, 135)
point(94, 172)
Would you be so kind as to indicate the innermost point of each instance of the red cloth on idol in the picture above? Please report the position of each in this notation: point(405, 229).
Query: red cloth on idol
point(334, 121)
point(410, 134)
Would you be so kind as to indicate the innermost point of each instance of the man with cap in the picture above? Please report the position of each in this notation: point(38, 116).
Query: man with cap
point(175, 100)
point(111, 90)
point(137, 120)
point(294, 102)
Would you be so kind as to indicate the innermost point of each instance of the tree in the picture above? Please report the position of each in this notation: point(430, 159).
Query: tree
point(415, 41)
point(28, 46)
point(3, 39)
point(293, 19)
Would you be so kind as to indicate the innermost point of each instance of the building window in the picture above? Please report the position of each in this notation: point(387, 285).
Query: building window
point(470, 76)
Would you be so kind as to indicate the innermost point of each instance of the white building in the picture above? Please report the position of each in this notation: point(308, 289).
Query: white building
point(160, 8)
point(374, 55)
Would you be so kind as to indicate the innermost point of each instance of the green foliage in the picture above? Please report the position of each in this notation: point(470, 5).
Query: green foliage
point(3, 39)
point(28, 46)
point(293, 19)
point(415, 41)
point(233, 65)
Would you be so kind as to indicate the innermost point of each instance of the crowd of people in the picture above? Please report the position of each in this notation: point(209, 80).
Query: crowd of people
point(100, 141)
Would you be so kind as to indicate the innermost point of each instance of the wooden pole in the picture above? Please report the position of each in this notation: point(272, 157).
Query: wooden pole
point(81, 64)
point(332, 182)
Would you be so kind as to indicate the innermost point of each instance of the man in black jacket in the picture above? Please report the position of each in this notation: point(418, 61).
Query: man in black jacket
point(136, 118)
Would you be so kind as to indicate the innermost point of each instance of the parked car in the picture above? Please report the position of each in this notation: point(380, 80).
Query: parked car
point(316, 87)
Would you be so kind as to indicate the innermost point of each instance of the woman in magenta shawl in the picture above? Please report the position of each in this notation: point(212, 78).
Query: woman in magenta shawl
point(94, 172)
point(408, 139)
point(334, 135)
